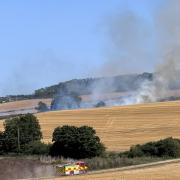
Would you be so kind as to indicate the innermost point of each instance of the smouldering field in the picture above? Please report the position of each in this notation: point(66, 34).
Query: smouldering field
point(119, 127)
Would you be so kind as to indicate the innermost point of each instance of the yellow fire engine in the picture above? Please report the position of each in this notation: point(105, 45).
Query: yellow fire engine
point(71, 169)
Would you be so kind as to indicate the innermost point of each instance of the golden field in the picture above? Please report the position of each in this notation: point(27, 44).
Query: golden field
point(119, 127)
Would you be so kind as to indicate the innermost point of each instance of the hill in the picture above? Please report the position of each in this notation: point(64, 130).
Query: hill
point(121, 83)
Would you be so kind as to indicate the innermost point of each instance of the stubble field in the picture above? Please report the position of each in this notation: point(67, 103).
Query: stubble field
point(120, 127)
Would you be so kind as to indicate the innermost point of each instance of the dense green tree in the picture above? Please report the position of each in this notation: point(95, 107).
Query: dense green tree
point(21, 130)
point(2, 143)
point(37, 147)
point(74, 142)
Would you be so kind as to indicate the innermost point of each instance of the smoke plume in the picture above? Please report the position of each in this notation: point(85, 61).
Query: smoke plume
point(132, 42)
point(167, 29)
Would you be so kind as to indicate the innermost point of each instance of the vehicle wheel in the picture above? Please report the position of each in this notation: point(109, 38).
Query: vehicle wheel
point(71, 173)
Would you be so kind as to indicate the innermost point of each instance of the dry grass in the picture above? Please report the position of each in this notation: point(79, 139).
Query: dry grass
point(24, 104)
point(161, 172)
point(120, 127)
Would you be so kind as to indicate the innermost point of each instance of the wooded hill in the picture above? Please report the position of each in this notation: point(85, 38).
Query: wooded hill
point(121, 83)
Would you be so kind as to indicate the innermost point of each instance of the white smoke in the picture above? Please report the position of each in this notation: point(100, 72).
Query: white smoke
point(167, 42)
point(167, 73)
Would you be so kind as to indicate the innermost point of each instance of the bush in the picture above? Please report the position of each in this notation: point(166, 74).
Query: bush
point(74, 142)
point(37, 147)
point(2, 143)
point(100, 104)
point(168, 147)
point(42, 107)
point(116, 161)
point(135, 151)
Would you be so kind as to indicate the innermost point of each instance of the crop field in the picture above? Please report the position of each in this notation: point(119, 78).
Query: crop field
point(119, 127)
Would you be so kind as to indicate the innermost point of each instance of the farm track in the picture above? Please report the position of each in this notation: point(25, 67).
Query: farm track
point(168, 170)
point(119, 127)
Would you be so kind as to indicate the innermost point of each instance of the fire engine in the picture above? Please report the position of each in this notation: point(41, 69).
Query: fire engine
point(73, 168)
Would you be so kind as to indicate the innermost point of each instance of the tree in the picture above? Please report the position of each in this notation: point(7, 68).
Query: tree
point(21, 130)
point(37, 147)
point(74, 142)
point(42, 107)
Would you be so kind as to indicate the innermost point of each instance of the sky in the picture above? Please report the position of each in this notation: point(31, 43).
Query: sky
point(44, 42)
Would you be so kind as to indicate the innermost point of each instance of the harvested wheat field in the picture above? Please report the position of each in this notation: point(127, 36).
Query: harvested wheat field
point(119, 127)
point(160, 172)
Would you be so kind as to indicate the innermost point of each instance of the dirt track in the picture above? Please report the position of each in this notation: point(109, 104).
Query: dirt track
point(164, 170)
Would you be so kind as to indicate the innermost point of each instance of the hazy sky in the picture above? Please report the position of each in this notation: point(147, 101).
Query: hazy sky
point(43, 42)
